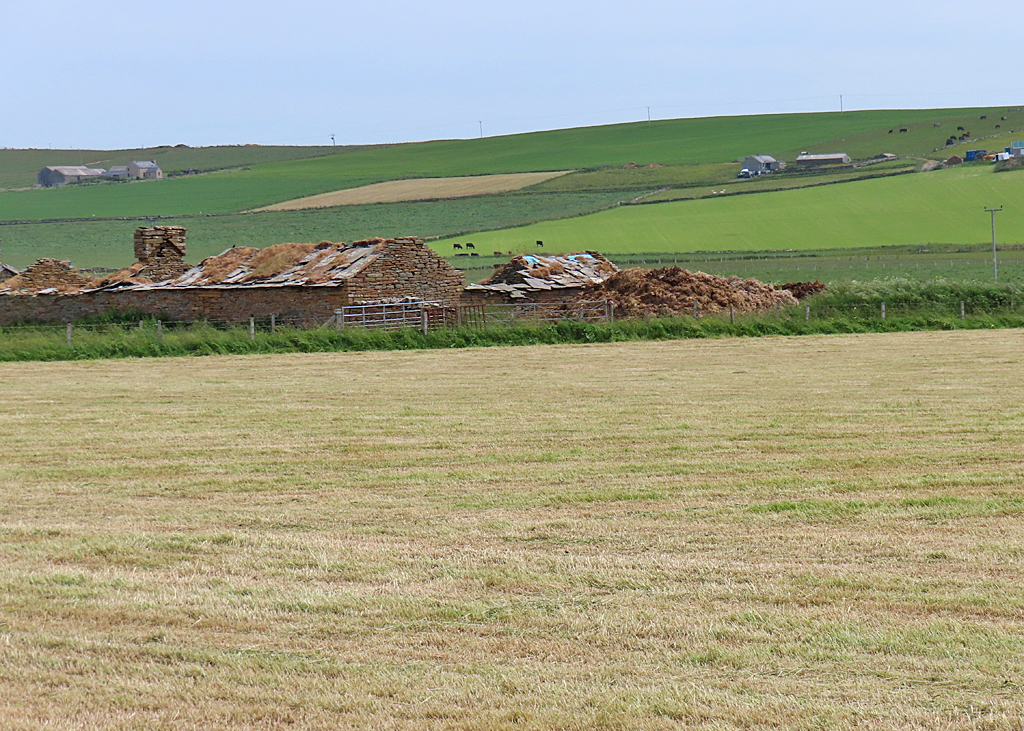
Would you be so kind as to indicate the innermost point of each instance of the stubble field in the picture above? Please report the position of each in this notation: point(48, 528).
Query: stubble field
point(816, 532)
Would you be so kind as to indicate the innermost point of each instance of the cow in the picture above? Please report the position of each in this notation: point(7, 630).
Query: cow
point(998, 126)
point(456, 246)
point(959, 129)
point(890, 131)
point(984, 116)
point(499, 253)
point(474, 254)
point(540, 244)
point(903, 129)
point(469, 245)
point(1003, 118)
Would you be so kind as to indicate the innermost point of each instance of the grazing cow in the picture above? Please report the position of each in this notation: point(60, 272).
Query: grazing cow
point(499, 253)
point(890, 131)
point(456, 246)
point(469, 245)
point(936, 124)
point(474, 254)
point(998, 126)
point(984, 116)
point(903, 129)
point(959, 129)
point(1003, 118)
point(540, 244)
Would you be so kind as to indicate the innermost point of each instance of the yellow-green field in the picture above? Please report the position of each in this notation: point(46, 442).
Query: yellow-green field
point(395, 191)
point(816, 532)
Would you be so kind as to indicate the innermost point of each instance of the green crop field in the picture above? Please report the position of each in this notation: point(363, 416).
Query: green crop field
point(802, 533)
point(943, 206)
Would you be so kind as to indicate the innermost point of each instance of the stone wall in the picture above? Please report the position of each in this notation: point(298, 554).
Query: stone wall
point(407, 268)
point(310, 305)
point(47, 274)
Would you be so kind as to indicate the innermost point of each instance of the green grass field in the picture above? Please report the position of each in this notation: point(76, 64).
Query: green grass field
point(942, 206)
point(109, 243)
point(670, 142)
point(801, 533)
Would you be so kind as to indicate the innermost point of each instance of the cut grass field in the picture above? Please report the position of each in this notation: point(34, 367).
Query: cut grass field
point(396, 191)
point(939, 206)
point(801, 533)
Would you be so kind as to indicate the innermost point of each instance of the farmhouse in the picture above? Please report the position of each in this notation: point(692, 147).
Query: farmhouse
point(758, 164)
point(55, 175)
point(144, 169)
point(828, 158)
point(298, 282)
point(542, 278)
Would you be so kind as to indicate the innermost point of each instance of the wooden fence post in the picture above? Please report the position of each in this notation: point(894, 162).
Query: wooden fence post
point(647, 314)
point(609, 311)
point(961, 309)
point(273, 323)
point(69, 334)
point(426, 320)
point(778, 308)
point(807, 313)
point(252, 329)
point(883, 310)
point(732, 313)
point(695, 309)
point(339, 320)
point(140, 325)
point(159, 331)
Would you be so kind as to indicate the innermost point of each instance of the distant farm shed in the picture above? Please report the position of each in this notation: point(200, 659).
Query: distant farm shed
point(53, 176)
point(763, 164)
point(827, 158)
point(543, 277)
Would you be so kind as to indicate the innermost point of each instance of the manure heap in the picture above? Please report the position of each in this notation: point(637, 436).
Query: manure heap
point(673, 291)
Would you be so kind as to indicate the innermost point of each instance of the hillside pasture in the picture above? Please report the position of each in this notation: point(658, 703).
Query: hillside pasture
point(397, 191)
point(665, 142)
point(743, 533)
point(939, 206)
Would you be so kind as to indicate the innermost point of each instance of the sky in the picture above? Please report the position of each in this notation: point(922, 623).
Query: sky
point(108, 74)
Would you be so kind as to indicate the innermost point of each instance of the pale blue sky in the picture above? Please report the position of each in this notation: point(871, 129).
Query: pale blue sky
point(109, 73)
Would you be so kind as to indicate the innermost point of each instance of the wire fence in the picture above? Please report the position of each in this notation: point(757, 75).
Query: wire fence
point(429, 316)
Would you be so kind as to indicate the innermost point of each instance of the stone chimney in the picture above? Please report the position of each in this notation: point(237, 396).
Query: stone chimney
point(162, 250)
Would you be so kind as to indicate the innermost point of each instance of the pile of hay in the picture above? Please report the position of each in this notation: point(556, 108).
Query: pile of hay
point(803, 290)
point(673, 291)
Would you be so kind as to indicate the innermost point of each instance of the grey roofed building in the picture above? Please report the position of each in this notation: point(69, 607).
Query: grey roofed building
point(53, 175)
point(827, 158)
point(6, 272)
point(117, 171)
point(763, 164)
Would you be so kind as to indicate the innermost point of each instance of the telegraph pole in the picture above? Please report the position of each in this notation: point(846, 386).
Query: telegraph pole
point(995, 265)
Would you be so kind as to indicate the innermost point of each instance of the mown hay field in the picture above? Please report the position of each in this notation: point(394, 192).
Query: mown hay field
point(816, 532)
point(397, 191)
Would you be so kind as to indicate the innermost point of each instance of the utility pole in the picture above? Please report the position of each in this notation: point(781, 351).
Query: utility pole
point(648, 116)
point(481, 123)
point(840, 105)
point(995, 264)
point(333, 144)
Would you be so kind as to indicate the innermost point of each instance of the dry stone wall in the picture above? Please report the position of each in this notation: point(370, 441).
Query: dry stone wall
point(161, 251)
point(49, 274)
point(407, 268)
point(306, 305)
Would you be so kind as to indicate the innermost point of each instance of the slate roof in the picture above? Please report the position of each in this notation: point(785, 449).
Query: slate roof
point(145, 163)
point(529, 273)
point(76, 170)
point(283, 265)
point(765, 159)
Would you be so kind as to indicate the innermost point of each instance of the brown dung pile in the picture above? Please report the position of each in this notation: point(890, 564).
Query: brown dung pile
point(803, 290)
point(673, 291)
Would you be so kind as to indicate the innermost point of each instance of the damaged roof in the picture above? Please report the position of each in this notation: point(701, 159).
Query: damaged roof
point(528, 273)
point(324, 264)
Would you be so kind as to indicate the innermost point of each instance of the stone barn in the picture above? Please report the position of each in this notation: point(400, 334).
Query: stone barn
point(298, 282)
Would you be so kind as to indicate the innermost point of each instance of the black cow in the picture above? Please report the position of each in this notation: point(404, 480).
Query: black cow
point(456, 246)
point(540, 244)
point(903, 129)
point(469, 245)
point(959, 129)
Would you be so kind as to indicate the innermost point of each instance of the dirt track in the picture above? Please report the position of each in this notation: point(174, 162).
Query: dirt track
point(395, 191)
